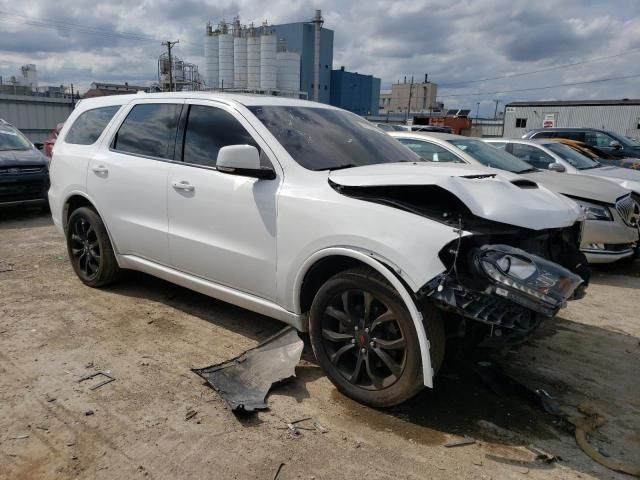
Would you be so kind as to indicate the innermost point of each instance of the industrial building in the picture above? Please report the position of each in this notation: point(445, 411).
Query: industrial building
point(620, 116)
point(410, 97)
point(35, 115)
point(355, 92)
point(292, 59)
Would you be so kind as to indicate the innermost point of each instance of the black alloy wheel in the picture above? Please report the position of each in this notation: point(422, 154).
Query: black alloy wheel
point(363, 339)
point(89, 248)
point(85, 247)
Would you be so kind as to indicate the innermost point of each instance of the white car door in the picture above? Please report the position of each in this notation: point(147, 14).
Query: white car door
point(127, 178)
point(222, 227)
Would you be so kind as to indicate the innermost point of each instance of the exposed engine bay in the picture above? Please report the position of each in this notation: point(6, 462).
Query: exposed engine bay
point(505, 279)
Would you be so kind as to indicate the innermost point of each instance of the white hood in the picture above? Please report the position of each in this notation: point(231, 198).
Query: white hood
point(625, 177)
point(490, 195)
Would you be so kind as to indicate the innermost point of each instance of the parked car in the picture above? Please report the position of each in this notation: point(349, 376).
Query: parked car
point(552, 155)
point(24, 170)
point(600, 156)
point(611, 226)
point(389, 127)
point(51, 140)
point(311, 215)
point(611, 142)
point(431, 128)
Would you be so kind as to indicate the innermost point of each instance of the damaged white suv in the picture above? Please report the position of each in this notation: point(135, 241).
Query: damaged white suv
point(313, 216)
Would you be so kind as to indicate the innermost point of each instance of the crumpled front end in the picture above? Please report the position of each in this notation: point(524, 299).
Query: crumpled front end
point(501, 292)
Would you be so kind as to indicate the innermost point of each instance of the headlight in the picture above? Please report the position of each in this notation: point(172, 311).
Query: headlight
point(526, 279)
point(595, 212)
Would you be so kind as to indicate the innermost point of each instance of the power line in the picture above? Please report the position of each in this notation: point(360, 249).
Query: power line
point(547, 69)
point(540, 88)
point(77, 28)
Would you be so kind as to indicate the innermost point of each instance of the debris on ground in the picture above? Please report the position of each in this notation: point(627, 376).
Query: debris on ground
point(461, 443)
point(190, 414)
point(19, 437)
point(244, 381)
point(275, 476)
point(106, 373)
point(542, 456)
point(6, 267)
point(88, 413)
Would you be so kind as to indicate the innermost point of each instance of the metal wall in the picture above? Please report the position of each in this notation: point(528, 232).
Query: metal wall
point(355, 92)
point(35, 117)
point(622, 119)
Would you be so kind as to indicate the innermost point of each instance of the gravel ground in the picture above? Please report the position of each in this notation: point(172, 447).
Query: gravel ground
point(149, 333)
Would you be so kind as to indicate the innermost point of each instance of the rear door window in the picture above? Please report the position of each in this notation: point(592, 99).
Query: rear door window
point(578, 136)
point(149, 130)
point(208, 130)
point(532, 155)
point(90, 124)
point(598, 139)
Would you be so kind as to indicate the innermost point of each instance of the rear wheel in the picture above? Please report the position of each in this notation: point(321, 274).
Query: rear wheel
point(90, 249)
point(365, 340)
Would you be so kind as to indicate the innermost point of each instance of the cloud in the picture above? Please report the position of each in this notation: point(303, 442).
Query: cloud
point(453, 42)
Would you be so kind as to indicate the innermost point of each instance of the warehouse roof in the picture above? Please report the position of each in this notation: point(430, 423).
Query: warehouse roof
point(575, 103)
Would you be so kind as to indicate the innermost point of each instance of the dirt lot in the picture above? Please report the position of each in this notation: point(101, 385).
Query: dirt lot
point(149, 333)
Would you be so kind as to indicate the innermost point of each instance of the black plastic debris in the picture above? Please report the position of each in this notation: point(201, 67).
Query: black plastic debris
point(245, 381)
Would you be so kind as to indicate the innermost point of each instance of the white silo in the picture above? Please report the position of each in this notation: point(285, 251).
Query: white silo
point(225, 57)
point(253, 59)
point(268, 47)
point(239, 60)
point(211, 57)
point(288, 71)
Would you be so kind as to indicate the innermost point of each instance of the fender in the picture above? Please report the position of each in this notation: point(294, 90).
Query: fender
point(371, 260)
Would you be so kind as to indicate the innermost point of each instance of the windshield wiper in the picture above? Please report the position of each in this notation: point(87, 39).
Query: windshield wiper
point(339, 167)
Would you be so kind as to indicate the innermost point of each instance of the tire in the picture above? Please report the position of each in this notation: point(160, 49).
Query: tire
point(378, 366)
point(90, 250)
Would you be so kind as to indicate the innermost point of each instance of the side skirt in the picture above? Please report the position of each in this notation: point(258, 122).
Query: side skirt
point(215, 290)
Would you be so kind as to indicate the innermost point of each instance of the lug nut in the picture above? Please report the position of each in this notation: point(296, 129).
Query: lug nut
point(366, 330)
point(353, 340)
point(372, 344)
point(355, 328)
point(364, 350)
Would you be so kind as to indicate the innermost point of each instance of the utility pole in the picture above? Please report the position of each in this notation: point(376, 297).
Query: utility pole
point(495, 114)
point(409, 105)
point(73, 100)
point(169, 44)
point(477, 110)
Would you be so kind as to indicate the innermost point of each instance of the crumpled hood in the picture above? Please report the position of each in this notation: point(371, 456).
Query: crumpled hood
point(17, 158)
point(581, 186)
point(625, 177)
point(490, 195)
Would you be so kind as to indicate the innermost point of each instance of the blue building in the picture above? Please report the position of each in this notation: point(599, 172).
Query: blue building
point(300, 38)
point(355, 92)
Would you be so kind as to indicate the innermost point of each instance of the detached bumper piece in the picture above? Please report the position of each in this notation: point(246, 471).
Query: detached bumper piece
point(245, 381)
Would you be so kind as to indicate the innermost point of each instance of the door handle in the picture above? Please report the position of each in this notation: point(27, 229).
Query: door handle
point(184, 186)
point(100, 169)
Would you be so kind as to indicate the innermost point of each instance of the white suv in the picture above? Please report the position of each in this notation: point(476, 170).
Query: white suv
point(314, 216)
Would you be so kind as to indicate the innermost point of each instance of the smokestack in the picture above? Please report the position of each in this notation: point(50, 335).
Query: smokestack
point(317, 21)
point(426, 76)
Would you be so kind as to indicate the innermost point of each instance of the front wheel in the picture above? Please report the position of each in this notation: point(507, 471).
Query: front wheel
point(90, 249)
point(365, 340)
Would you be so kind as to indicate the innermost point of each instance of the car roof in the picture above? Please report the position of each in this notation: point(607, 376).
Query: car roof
point(241, 98)
point(568, 129)
point(428, 135)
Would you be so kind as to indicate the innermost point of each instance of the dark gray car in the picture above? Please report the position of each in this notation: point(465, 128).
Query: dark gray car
point(610, 142)
point(24, 170)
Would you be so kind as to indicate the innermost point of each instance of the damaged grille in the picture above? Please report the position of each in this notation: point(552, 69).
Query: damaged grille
point(629, 210)
point(23, 170)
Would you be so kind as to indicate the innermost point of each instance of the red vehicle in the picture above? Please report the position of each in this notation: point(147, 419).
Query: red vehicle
point(51, 140)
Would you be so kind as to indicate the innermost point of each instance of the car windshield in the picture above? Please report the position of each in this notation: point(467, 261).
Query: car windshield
point(575, 159)
point(491, 156)
point(12, 139)
point(633, 141)
point(327, 139)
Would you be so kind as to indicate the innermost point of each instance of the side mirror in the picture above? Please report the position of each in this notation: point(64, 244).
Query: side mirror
point(39, 145)
point(243, 160)
point(615, 145)
point(557, 167)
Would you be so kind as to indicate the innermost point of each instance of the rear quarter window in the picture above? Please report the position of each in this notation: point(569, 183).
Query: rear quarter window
point(90, 124)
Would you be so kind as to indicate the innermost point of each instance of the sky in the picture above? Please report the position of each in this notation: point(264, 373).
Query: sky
point(463, 45)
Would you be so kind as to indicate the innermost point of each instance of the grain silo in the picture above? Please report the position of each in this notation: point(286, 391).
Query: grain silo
point(211, 57)
point(225, 57)
point(239, 55)
point(287, 69)
point(268, 48)
point(253, 59)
